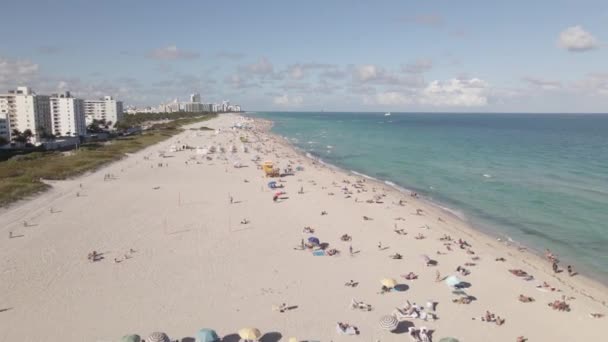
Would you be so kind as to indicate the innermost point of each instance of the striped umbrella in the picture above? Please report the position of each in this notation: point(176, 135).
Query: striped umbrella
point(158, 337)
point(388, 322)
point(250, 334)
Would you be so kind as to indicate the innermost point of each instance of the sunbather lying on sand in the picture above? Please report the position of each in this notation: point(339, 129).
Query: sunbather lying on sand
point(419, 236)
point(462, 300)
point(396, 256)
point(501, 259)
point(345, 237)
point(525, 299)
point(463, 271)
point(445, 238)
point(365, 218)
point(351, 283)
point(559, 305)
point(596, 315)
point(332, 252)
point(308, 230)
point(518, 272)
point(354, 304)
point(410, 276)
point(384, 289)
point(347, 329)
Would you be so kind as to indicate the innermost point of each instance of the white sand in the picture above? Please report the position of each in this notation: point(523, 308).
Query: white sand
point(196, 266)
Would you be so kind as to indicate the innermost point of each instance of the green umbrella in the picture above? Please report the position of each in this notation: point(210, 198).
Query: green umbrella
point(207, 335)
point(448, 339)
point(130, 338)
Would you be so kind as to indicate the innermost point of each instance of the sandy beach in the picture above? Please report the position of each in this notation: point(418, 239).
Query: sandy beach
point(175, 255)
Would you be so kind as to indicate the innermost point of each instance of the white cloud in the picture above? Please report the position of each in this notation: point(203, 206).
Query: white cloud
point(420, 66)
point(543, 84)
point(455, 93)
point(576, 39)
point(15, 72)
point(286, 100)
point(171, 52)
point(367, 72)
point(261, 67)
point(595, 84)
point(390, 98)
point(296, 72)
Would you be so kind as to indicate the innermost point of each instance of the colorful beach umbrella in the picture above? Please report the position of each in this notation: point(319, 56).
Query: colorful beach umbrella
point(314, 240)
point(158, 337)
point(250, 334)
point(388, 282)
point(388, 322)
point(452, 281)
point(130, 338)
point(207, 335)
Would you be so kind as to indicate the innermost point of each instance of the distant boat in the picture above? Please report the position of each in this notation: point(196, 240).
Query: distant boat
point(387, 114)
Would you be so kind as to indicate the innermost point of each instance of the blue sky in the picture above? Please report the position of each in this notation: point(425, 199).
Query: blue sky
point(444, 55)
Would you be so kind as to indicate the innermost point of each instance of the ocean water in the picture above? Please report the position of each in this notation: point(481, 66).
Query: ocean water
point(540, 179)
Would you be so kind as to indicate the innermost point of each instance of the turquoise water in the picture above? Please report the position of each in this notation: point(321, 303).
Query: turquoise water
point(540, 179)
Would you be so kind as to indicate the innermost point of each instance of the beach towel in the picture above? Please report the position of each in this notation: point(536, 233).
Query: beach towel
point(318, 253)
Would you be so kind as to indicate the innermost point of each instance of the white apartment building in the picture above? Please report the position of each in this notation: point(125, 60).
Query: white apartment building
point(195, 98)
point(25, 110)
point(107, 109)
point(67, 115)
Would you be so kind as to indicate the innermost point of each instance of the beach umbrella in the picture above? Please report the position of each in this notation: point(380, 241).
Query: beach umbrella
point(250, 334)
point(389, 282)
point(158, 337)
point(130, 338)
point(448, 339)
point(292, 339)
point(388, 322)
point(452, 281)
point(207, 335)
point(314, 240)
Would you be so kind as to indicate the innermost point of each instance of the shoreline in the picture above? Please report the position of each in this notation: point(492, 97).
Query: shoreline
point(468, 227)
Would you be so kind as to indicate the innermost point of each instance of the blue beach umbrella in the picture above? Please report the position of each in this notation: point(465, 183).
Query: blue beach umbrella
point(314, 240)
point(207, 335)
point(452, 281)
point(130, 338)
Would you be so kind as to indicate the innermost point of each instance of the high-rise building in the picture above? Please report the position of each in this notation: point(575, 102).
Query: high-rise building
point(25, 110)
point(67, 115)
point(107, 109)
point(195, 98)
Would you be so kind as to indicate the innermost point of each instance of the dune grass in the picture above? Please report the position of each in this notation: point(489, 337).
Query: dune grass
point(21, 176)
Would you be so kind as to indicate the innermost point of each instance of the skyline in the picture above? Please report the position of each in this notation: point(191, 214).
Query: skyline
point(436, 56)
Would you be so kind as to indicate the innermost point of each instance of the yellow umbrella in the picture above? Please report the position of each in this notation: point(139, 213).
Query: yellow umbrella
point(292, 339)
point(389, 282)
point(250, 334)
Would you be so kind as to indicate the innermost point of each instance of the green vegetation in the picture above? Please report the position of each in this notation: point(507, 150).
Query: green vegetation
point(21, 175)
point(134, 120)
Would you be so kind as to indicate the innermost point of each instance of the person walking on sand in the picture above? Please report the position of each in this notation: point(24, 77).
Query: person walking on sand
point(350, 249)
point(231, 199)
point(437, 276)
point(379, 245)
